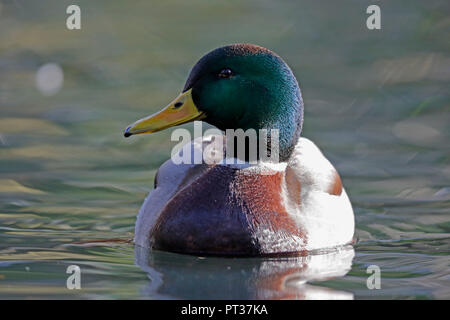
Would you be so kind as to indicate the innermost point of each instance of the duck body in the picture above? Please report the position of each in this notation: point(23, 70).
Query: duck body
point(289, 206)
point(247, 210)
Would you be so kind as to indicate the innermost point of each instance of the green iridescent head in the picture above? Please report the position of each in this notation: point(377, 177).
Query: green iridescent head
point(238, 86)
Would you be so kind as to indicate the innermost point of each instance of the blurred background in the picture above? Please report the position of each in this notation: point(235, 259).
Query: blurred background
point(377, 103)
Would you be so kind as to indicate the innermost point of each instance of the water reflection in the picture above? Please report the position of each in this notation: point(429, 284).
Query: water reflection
point(188, 277)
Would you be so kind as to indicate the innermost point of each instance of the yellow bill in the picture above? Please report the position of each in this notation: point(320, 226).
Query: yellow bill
point(179, 111)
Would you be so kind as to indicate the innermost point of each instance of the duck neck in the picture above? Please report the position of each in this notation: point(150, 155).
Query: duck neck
point(288, 128)
point(280, 129)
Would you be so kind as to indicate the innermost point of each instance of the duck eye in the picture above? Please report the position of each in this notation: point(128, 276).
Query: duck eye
point(225, 73)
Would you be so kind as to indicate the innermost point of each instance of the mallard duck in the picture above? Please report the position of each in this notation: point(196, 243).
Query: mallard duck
point(261, 209)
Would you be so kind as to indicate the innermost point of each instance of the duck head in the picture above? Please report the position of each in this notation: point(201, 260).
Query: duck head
point(238, 86)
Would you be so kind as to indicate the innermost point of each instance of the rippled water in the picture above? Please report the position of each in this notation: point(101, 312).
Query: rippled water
point(377, 103)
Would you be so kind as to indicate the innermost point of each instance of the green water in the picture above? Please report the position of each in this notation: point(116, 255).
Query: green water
point(377, 104)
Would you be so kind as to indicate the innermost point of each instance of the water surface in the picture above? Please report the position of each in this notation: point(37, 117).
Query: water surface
point(377, 104)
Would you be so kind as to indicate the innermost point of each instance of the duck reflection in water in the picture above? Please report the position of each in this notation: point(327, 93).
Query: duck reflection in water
point(189, 277)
